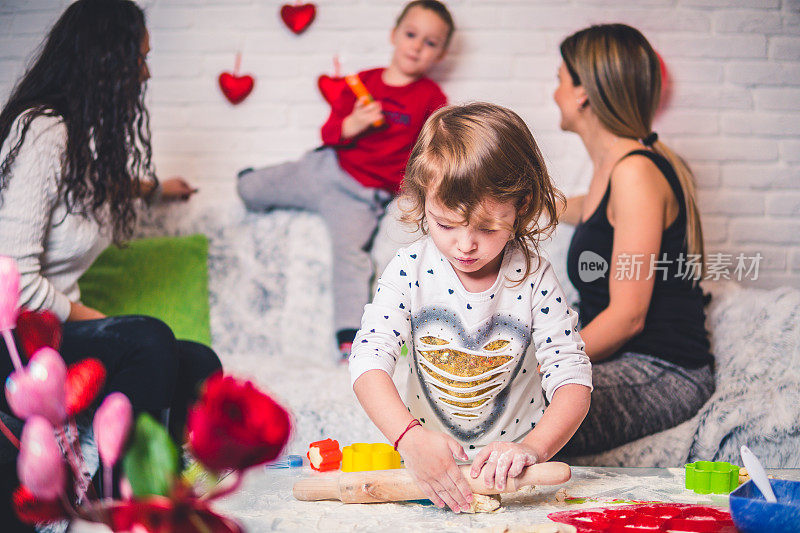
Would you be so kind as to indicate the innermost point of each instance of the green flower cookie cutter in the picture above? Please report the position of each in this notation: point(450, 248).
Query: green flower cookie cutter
point(717, 477)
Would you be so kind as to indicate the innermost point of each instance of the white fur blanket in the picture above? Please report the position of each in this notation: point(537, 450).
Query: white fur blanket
point(755, 338)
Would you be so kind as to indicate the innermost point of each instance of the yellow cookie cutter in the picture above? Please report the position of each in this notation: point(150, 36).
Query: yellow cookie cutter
point(361, 456)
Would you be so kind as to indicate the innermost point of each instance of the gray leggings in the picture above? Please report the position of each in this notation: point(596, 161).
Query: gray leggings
point(351, 211)
point(636, 395)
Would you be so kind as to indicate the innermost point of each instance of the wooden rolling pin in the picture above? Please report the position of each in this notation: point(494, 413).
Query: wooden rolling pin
point(377, 486)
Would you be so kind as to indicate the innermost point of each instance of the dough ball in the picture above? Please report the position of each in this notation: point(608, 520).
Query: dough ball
point(483, 503)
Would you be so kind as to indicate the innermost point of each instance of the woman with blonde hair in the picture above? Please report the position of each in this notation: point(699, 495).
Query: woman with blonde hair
point(637, 252)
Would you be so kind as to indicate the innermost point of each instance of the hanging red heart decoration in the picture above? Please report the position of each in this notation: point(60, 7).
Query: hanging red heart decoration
point(331, 87)
point(666, 84)
point(298, 17)
point(36, 329)
point(85, 380)
point(235, 88)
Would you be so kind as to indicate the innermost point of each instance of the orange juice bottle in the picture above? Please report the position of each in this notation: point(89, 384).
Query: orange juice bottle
point(361, 92)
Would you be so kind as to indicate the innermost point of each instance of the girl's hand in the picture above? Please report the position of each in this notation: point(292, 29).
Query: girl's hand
point(503, 460)
point(430, 458)
point(78, 311)
point(361, 118)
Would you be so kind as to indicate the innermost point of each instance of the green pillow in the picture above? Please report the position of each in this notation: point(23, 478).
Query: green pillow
point(162, 277)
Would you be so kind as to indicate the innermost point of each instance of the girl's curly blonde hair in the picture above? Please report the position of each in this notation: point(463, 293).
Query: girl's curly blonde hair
point(466, 154)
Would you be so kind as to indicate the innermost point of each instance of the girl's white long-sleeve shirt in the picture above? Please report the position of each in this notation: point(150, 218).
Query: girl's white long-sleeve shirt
point(481, 364)
point(52, 247)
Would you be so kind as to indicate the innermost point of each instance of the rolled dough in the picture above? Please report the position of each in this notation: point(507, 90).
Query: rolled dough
point(482, 503)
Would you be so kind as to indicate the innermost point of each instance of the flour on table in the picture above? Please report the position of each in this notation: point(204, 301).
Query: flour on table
point(532, 528)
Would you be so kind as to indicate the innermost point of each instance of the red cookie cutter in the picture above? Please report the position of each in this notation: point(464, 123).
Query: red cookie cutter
point(657, 517)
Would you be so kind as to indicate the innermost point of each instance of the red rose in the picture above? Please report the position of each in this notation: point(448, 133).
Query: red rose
point(36, 329)
point(234, 425)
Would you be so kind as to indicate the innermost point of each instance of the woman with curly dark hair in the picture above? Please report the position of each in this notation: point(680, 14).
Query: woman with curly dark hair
point(74, 156)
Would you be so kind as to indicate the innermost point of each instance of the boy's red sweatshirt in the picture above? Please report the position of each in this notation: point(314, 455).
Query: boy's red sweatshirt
point(377, 158)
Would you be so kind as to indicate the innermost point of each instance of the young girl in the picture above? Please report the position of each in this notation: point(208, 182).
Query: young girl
point(469, 300)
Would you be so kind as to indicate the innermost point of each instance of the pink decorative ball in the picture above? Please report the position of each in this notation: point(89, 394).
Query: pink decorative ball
point(9, 293)
point(111, 425)
point(40, 464)
point(39, 388)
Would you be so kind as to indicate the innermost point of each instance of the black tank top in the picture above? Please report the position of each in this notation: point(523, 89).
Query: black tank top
point(674, 328)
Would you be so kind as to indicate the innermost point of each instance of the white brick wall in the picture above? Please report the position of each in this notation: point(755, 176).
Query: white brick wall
point(734, 112)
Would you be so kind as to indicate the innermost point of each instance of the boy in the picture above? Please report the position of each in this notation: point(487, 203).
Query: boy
point(352, 177)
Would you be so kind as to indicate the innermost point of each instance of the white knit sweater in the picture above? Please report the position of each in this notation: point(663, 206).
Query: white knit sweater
point(52, 248)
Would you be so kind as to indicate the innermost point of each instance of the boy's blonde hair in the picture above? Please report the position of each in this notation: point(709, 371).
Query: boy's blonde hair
point(431, 5)
point(466, 154)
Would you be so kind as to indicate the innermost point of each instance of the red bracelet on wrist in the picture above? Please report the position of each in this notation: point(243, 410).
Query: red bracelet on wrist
point(410, 425)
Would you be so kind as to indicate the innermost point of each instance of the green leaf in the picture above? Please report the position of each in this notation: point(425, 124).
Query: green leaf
point(151, 463)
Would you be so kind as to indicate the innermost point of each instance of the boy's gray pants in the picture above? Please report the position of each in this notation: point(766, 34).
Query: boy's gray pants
point(351, 211)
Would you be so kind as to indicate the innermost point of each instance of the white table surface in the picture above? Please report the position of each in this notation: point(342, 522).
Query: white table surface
point(265, 502)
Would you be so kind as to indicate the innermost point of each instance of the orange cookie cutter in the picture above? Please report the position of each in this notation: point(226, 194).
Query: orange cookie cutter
point(324, 455)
